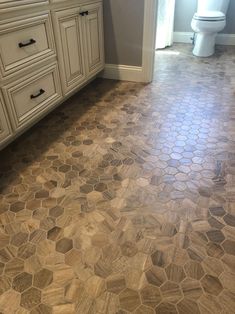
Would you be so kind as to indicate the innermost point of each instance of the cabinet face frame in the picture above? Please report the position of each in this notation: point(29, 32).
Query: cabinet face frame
point(10, 26)
point(5, 128)
point(95, 13)
point(70, 81)
point(45, 105)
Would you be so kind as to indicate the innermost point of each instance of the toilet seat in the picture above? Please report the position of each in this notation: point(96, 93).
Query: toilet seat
point(209, 16)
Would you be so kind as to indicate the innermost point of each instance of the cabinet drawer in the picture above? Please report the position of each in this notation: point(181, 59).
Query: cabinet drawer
point(25, 42)
point(8, 5)
point(30, 97)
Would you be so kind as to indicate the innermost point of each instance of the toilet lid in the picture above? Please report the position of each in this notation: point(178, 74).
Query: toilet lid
point(209, 16)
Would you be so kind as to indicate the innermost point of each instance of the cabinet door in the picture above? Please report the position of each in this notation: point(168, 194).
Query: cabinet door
point(68, 33)
point(5, 130)
point(94, 37)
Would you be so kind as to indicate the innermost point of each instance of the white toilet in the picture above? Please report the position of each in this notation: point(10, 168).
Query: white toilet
point(209, 19)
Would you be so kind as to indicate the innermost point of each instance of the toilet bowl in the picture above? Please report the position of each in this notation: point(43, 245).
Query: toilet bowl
point(209, 19)
point(206, 25)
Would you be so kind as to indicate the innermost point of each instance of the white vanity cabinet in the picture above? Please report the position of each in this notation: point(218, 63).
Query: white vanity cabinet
point(79, 38)
point(48, 51)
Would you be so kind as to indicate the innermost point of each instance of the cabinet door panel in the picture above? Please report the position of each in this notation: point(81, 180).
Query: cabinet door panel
point(94, 38)
point(5, 130)
point(70, 49)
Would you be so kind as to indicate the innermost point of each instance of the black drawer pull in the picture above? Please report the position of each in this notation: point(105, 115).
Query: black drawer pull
point(37, 95)
point(30, 42)
point(84, 13)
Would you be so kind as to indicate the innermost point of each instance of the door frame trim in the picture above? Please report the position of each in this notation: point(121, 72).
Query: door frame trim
point(149, 38)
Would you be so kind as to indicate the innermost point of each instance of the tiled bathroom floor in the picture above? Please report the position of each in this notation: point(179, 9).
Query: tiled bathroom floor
point(123, 199)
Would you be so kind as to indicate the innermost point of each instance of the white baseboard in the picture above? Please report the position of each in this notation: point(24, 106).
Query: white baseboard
point(221, 39)
point(123, 73)
point(225, 39)
point(182, 37)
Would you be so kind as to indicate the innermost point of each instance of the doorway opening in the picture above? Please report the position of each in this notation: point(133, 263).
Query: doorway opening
point(165, 23)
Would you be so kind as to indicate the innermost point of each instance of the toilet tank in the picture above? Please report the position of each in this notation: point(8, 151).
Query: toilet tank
point(213, 5)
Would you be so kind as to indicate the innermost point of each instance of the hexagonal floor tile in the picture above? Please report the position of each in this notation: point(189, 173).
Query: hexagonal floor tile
point(150, 296)
point(175, 273)
point(22, 282)
point(43, 278)
point(129, 299)
point(155, 276)
point(64, 245)
point(211, 285)
point(30, 298)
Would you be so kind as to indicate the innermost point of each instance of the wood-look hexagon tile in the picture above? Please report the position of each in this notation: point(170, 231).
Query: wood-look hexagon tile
point(26, 250)
point(5, 284)
point(215, 236)
point(22, 282)
point(227, 280)
point(129, 249)
point(155, 276)
point(211, 285)
point(17, 206)
point(212, 266)
point(194, 270)
point(30, 298)
point(214, 250)
point(42, 278)
point(228, 262)
point(64, 308)
point(160, 258)
point(144, 310)
point(175, 273)
point(166, 308)
point(14, 267)
point(56, 211)
point(72, 257)
point(229, 220)
point(150, 296)
point(64, 245)
point(19, 238)
point(186, 306)
point(7, 254)
point(42, 309)
point(116, 283)
point(227, 301)
point(129, 299)
point(217, 211)
point(55, 233)
point(100, 240)
point(95, 286)
point(171, 292)
point(209, 304)
point(229, 247)
point(191, 288)
point(74, 291)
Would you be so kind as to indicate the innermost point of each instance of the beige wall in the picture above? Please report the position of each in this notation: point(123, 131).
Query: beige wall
point(184, 10)
point(123, 25)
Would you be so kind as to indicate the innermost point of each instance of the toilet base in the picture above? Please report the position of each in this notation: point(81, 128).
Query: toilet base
point(204, 45)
